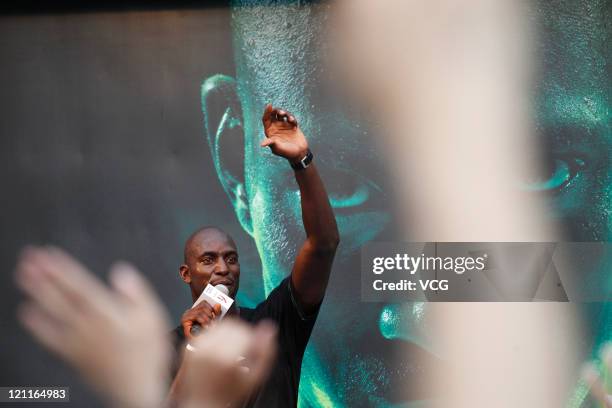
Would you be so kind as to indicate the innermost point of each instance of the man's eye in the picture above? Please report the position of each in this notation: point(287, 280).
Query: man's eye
point(232, 260)
point(562, 171)
point(207, 261)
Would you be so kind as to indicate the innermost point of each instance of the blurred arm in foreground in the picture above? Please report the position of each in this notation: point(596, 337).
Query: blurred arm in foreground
point(451, 84)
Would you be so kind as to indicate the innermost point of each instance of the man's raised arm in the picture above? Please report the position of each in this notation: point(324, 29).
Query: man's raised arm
point(313, 263)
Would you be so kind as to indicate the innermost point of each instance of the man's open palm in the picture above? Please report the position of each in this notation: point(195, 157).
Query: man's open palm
point(283, 134)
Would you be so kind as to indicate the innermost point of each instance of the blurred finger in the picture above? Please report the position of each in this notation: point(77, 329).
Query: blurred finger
point(45, 293)
point(128, 282)
point(50, 333)
point(598, 391)
point(262, 352)
point(606, 357)
point(229, 338)
point(73, 279)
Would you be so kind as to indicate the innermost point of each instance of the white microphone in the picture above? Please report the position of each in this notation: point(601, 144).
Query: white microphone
point(216, 295)
point(213, 295)
point(223, 289)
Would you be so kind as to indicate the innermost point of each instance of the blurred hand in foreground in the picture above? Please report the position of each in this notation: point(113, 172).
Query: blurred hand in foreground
point(116, 337)
point(214, 373)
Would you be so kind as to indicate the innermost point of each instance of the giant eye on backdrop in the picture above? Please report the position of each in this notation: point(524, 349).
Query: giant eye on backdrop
point(351, 191)
point(558, 174)
point(348, 190)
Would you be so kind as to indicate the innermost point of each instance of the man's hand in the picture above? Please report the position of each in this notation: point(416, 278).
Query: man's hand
point(116, 338)
point(203, 314)
point(283, 134)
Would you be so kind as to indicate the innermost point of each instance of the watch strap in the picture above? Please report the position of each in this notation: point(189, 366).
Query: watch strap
point(304, 162)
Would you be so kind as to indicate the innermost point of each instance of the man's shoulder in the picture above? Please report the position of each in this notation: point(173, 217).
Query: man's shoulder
point(281, 301)
point(270, 306)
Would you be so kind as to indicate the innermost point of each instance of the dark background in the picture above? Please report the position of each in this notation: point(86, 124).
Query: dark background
point(102, 151)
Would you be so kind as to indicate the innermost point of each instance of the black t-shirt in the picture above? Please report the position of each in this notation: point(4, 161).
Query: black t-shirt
point(294, 328)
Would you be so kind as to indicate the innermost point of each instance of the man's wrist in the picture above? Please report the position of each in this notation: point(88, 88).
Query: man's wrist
point(303, 161)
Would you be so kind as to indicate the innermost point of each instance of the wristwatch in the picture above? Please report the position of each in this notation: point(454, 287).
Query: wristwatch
point(304, 162)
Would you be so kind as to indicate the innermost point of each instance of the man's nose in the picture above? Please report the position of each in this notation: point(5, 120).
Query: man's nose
point(221, 268)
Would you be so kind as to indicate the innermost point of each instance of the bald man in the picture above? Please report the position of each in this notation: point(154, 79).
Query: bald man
point(211, 257)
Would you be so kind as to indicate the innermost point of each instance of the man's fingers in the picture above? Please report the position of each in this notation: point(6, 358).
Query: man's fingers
point(201, 314)
point(276, 114)
point(203, 320)
point(267, 116)
point(187, 329)
point(203, 307)
point(269, 141)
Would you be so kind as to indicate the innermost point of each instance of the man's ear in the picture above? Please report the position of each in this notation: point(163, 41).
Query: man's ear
point(185, 273)
point(223, 127)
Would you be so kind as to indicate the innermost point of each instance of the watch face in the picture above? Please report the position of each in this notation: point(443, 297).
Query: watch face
point(305, 162)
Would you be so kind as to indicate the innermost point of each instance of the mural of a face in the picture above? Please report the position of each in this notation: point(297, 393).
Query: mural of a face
point(352, 357)
point(574, 114)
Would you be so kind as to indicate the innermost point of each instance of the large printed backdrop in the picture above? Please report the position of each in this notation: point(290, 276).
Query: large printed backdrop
point(103, 153)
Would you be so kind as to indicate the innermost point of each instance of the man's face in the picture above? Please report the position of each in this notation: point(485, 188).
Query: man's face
point(353, 356)
point(573, 115)
point(211, 257)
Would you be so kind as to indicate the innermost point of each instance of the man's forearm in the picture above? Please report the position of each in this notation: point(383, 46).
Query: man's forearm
point(317, 215)
point(310, 273)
